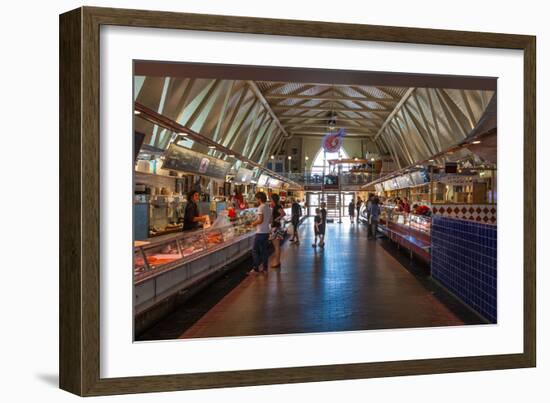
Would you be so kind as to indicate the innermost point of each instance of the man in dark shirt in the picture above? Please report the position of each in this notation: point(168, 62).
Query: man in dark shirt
point(323, 225)
point(295, 219)
point(374, 217)
point(191, 217)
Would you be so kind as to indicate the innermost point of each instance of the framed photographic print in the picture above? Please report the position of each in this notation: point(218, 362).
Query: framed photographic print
point(249, 201)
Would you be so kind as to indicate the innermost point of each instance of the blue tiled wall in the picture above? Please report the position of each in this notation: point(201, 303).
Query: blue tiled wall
point(464, 259)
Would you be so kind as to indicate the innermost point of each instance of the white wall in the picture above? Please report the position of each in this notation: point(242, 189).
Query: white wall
point(30, 90)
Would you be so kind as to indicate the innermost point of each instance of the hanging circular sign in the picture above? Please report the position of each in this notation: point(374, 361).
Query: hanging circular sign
point(332, 142)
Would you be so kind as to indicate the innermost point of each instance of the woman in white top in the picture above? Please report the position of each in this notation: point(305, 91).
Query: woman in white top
point(260, 254)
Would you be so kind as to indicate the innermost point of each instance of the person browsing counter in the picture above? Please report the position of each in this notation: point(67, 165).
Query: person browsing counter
point(191, 217)
point(374, 217)
point(295, 219)
point(260, 254)
point(277, 231)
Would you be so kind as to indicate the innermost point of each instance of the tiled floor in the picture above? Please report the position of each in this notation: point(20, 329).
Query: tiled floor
point(351, 284)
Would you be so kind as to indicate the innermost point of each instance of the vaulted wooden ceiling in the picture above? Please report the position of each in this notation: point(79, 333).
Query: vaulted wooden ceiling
point(255, 117)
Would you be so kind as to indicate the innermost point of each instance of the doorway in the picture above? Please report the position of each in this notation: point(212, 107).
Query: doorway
point(335, 206)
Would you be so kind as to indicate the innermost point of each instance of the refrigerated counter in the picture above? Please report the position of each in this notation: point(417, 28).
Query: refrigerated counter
point(168, 264)
point(410, 231)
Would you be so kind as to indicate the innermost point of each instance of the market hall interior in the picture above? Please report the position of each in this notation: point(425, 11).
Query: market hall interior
point(332, 144)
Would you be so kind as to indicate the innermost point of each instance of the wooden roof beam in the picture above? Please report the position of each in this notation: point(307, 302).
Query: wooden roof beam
point(266, 105)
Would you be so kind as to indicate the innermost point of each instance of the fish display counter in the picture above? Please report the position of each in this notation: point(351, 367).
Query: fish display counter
point(411, 231)
point(169, 264)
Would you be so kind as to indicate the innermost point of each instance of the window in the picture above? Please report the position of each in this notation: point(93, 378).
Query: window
point(319, 161)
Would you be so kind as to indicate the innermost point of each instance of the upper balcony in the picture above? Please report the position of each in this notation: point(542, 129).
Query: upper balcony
point(347, 181)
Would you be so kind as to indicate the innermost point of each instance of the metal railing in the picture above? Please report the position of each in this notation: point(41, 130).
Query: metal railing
point(344, 179)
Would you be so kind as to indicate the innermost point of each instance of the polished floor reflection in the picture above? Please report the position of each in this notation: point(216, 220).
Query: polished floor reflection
point(351, 284)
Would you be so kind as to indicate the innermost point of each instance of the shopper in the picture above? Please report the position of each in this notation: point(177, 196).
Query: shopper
point(277, 230)
point(374, 213)
point(358, 206)
point(296, 210)
point(191, 216)
point(260, 253)
point(368, 204)
point(317, 222)
point(323, 224)
point(351, 210)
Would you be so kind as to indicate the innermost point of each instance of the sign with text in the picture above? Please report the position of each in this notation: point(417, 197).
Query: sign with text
point(183, 159)
point(243, 175)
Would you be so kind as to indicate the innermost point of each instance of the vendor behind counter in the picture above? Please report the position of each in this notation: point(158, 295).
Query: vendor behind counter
point(192, 217)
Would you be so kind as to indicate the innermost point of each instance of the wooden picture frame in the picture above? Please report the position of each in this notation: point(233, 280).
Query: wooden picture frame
point(80, 184)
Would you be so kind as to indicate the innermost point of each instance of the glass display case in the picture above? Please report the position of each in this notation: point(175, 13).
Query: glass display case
point(160, 254)
point(388, 214)
point(139, 261)
point(390, 217)
point(420, 223)
point(411, 231)
point(166, 252)
point(191, 243)
point(246, 215)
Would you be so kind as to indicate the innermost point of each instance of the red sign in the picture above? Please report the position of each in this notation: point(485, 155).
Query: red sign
point(332, 142)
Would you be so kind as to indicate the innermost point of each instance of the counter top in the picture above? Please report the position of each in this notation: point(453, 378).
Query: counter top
point(166, 237)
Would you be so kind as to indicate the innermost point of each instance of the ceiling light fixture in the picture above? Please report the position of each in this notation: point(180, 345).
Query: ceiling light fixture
point(137, 113)
point(476, 142)
point(182, 134)
point(332, 121)
point(211, 147)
